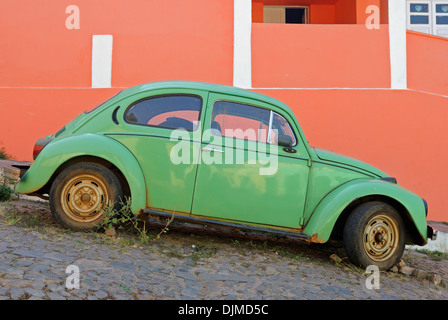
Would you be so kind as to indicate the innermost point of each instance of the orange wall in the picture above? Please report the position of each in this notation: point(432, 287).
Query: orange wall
point(386, 128)
point(322, 14)
point(257, 11)
point(320, 56)
point(29, 114)
point(427, 63)
point(346, 11)
point(153, 40)
point(384, 5)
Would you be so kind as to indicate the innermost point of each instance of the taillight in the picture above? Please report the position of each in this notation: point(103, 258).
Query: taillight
point(39, 145)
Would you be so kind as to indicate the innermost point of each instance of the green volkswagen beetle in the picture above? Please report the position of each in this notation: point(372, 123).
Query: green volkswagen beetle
point(220, 155)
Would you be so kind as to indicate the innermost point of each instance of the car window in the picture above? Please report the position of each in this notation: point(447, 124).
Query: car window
point(172, 112)
point(281, 127)
point(241, 121)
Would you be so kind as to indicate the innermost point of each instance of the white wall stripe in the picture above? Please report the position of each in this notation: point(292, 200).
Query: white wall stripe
point(397, 40)
point(242, 60)
point(102, 61)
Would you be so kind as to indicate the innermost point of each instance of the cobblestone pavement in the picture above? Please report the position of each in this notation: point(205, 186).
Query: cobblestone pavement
point(39, 258)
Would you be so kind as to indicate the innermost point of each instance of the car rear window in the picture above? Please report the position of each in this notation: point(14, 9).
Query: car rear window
point(171, 112)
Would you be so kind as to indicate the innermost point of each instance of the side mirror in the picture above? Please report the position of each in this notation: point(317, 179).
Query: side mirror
point(286, 142)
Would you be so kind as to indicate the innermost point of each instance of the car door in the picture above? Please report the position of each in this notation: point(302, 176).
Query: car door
point(242, 175)
point(151, 127)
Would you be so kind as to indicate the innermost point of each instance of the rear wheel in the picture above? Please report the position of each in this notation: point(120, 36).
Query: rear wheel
point(79, 194)
point(374, 234)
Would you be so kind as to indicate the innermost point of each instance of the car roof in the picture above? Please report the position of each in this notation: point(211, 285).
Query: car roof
point(205, 86)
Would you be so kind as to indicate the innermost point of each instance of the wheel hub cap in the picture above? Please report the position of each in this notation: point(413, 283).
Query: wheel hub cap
point(381, 238)
point(84, 197)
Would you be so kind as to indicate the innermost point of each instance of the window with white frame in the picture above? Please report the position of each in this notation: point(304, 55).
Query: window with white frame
point(428, 16)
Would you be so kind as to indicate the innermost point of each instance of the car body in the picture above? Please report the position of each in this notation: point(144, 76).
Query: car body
point(221, 155)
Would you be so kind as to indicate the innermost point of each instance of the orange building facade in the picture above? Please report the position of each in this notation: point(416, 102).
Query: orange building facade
point(358, 81)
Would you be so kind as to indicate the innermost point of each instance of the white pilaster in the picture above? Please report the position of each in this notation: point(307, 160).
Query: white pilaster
point(101, 61)
point(242, 27)
point(397, 39)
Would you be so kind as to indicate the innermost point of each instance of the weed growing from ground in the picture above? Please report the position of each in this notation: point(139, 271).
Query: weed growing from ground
point(5, 192)
point(434, 255)
point(201, 252)
point(125, 218)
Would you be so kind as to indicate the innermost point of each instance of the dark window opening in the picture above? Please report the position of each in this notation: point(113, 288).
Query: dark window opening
point(294, 15)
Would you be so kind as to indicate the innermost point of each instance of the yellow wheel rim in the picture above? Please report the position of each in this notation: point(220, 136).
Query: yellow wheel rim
point(381, 238)
point(84, 197)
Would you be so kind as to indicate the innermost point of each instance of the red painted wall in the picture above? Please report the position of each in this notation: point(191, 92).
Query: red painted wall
point(153, 40)
point(320, 56)
point(428, 63)
point(30, 114)
point(257, 11)
point(346, 12)
point(322, 14)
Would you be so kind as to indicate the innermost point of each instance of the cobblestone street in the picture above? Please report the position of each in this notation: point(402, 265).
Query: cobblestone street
point(39, 258)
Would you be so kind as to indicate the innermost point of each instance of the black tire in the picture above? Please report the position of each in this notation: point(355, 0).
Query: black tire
point(374, 234)
point(80, 192)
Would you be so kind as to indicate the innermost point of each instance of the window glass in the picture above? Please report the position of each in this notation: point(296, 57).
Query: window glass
point(281, 127)
point(172, 112)
point(294, 15)
point(419, 7)
point(442, 19)
point(240, 121)
point(419, 19)
point(442, 8)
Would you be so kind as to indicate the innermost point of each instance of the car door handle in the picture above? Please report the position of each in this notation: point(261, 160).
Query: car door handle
point(211, 149)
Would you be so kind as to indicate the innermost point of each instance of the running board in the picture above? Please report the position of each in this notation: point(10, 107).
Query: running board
point(225, 224)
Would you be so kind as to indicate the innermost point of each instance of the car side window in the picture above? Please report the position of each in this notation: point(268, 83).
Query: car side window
point(171, 112)
point(241, 121)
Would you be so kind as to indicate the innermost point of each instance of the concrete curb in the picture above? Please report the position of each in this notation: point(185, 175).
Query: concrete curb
point(441, 243)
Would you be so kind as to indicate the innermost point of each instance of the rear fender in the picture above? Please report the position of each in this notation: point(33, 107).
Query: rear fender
point(59, 151)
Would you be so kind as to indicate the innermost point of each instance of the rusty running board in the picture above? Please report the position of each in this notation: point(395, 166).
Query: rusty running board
point(229, 225)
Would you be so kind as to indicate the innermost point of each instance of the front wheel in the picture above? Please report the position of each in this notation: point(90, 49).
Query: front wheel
point(80, 193)
point(374, 234)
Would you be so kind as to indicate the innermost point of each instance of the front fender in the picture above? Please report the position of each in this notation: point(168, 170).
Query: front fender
point(323, 219)
point(60, 150)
